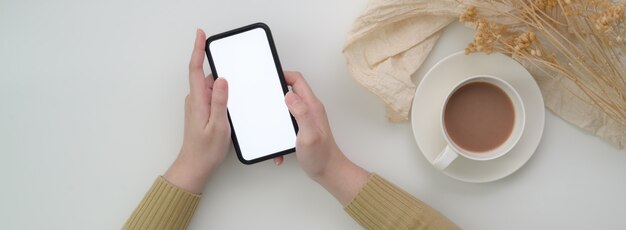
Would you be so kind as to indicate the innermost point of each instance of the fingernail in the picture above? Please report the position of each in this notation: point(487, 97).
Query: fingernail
point(294, 99)
point(222, 79)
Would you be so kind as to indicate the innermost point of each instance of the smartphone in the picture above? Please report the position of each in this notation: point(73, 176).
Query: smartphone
point(262, 127)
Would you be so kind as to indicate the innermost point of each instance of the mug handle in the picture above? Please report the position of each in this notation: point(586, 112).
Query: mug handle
point(445, 158)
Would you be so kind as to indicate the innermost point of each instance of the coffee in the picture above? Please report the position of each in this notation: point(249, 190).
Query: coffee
point(479, 117)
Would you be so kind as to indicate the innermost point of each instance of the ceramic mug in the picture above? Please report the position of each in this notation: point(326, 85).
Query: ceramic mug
point(452, 151)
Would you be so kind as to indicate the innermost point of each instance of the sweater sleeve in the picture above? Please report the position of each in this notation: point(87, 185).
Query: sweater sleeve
point(382, 205)
point(164, 206)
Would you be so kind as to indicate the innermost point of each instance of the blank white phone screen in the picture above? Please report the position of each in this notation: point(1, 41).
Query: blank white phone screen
point(256, 104)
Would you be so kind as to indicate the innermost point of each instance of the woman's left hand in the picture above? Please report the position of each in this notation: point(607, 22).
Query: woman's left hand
point(207, 131)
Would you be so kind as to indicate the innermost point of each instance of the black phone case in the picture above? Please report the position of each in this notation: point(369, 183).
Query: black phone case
point(280, 75)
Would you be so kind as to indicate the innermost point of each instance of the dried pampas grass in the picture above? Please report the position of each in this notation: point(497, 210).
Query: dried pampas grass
point(581, 41)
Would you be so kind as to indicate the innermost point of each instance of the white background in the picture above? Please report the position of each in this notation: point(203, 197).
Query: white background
point(91, 112)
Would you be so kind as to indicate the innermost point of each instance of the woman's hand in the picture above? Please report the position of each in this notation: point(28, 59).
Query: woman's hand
point(316, 150)
point(207, 131)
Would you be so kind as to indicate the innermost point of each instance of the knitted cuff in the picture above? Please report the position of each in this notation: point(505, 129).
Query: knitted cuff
point(382, 205)
point(164, 206)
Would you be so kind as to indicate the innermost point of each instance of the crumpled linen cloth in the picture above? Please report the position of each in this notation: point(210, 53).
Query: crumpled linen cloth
point(390, 41)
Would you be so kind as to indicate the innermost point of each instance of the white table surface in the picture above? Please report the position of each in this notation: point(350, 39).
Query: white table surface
point(91, 112)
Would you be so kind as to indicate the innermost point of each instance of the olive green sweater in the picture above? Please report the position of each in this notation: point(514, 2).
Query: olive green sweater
point(379, 205)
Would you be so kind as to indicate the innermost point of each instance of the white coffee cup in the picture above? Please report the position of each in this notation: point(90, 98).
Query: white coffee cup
point(452, 151)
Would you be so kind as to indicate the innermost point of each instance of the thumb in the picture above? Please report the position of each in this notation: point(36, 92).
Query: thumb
point(219, 100)
point(299, 110)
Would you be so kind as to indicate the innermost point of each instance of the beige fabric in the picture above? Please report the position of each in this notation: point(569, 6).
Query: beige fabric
point(389, 42)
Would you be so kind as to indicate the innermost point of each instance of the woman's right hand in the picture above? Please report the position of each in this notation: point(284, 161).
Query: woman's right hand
point(316, 150)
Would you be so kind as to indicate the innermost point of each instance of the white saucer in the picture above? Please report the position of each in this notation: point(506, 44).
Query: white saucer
point(430, 96)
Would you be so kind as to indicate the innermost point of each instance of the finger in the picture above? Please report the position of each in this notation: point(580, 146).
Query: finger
point(279, 160)
point(219, 100)
point(208, 81)
point(300, 110)
point(196, 72)
point(299, 86)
